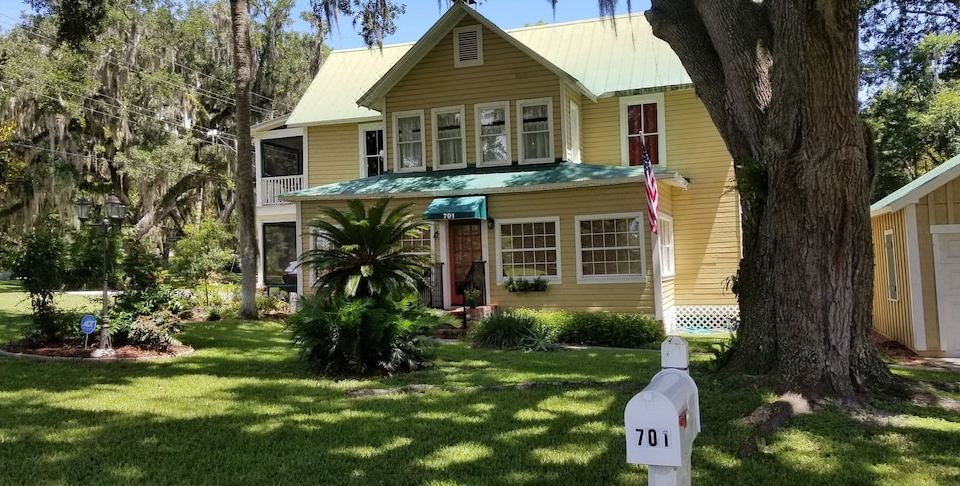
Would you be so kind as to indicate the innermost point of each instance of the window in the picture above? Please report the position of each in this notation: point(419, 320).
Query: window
point(281, 157)
point(535, 118)
point(280, 255)
point(493, 133)
point(449, 150)
point(573, 153)
point(641, 125)
point(468, 46)
point(529, 249)
point(893, 293)
point(371, 150)
point(667, 261)
point(610, 247)
point(420, 243)
point(408, 141)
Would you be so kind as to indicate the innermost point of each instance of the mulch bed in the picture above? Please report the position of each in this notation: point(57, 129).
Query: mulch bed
point(131, 353)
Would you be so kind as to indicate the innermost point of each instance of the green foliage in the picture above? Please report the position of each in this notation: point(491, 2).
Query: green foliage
point(363, 255)
point(141, 268)
point(87, 247)
point(40, 265)
point(504, 329)
point(338, 335)
point(526, 285)
point(270, 303)
point(723, 351)
point(201, 254)
point(155, 331)
point(609, 329)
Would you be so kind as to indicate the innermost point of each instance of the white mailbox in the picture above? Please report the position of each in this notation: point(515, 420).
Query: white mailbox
point(662, 421)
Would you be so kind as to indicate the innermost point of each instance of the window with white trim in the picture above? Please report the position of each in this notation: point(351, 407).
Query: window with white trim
point(642, 126)
point(535, 132)
point(529, 248)
point(893, 292)
point(573, 137)
point(449, 150)
point(493, 133)
point(408, 141)
point(468, 46)
point(665, 233)
point(420, 242)
point(610, 247)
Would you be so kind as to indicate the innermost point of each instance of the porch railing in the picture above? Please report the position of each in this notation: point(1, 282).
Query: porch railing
point(270, 188)
point(475, 281)
point(431, 294)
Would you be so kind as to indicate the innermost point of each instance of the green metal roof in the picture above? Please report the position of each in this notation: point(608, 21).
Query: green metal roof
point(606, 56)
point(473, 181)
point(463, 207)
point(920, 187)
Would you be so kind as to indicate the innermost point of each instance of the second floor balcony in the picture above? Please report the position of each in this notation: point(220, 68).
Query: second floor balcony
point(280, 166)
point(269, 189)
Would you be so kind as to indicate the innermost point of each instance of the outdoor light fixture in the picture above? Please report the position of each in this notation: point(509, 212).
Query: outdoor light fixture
point(110, 214)
point(491, 223)
point(83, 209)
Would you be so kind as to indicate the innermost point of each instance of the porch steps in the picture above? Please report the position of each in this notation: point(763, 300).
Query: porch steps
point(447, 332)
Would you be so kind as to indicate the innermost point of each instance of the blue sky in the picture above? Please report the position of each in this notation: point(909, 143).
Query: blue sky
point(421, 14)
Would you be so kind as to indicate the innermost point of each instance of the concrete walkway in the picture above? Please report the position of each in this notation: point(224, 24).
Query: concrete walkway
point(931, 364)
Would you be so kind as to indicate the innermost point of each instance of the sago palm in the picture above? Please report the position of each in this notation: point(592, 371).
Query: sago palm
point(361, 253)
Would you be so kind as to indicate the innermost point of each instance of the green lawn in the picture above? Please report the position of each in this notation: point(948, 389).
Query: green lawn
point(242, 410)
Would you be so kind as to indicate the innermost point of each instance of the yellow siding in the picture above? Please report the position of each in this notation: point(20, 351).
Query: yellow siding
point(891, 318)
point(507, 74)
point(333, 152)
point(567, 204)
point(939, 207)
point(707, 215)
point(601, 131)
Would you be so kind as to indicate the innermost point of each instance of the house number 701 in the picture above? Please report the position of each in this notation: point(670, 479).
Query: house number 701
point(653, 438)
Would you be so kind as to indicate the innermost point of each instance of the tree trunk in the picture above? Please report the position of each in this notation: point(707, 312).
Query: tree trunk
point(780, 79)
point(245, 206)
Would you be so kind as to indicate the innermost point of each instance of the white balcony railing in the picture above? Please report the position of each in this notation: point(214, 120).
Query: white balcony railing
point(271, 188)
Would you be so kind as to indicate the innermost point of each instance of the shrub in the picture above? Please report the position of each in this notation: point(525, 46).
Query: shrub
point(338, 335)
point(607, 329)
point(40, 264)
point(524, 285)
point(63, 327)
point(85, 269)
point(267, 304)
point(154, 331)
point(512, 330)
point(724, 351)
point(201, 254)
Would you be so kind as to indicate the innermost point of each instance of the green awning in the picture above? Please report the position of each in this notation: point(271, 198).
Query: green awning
point(467, 207)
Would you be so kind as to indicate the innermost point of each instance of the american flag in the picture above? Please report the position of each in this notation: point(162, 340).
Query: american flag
point(653, 198)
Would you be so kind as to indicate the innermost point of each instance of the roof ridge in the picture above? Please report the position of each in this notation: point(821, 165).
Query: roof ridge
point(570, 22)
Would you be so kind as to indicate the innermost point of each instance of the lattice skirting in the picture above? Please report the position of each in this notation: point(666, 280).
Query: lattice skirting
point(701, 318)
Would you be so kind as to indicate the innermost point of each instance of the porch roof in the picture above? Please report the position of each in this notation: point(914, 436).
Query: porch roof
point(473, 181)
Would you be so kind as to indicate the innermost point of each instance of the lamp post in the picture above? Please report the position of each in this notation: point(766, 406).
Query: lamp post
point(110, 214)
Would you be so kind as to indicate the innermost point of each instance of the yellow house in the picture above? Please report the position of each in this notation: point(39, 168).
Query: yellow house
point(916, 246)
point(522, 149)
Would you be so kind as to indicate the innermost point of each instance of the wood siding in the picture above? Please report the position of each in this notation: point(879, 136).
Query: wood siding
point(333, 152)
point(939, 207)
point(507, 74)
point(565, 204)
point(706, 215)
point(891, 319)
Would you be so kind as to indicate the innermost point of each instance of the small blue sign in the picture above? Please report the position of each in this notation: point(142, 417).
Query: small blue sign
point(88, 324)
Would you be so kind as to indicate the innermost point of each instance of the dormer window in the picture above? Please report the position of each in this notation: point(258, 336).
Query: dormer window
point(468, 46)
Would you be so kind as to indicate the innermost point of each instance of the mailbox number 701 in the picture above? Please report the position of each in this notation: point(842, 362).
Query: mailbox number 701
point(653, 438)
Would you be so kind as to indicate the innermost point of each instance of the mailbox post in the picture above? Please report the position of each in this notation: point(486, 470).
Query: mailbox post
point(662, 421)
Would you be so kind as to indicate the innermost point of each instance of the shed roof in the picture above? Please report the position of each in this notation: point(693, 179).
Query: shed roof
point(606, 56)
point(473, 181)
point(921, 186)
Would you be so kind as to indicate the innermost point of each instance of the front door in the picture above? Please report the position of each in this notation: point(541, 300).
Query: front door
point(947, 262)
point(466, 247)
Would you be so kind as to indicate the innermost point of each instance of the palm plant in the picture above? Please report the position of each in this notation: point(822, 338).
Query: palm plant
point(362, 254)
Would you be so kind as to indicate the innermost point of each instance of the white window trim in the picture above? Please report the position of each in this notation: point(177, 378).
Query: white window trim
point(574, 150)
point(456, 46)
point(433, 244)
point(673, 248)
point(547, 219)
point(505, 105)
point(435, 156)
point(551, 122)
point(591, 279)
point(396, 141)
point(626, 101)
point(258, 155)
point(888, 263)
point(366, 127)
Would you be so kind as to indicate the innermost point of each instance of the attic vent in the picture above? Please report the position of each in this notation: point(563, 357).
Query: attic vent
point(468, 46)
